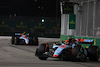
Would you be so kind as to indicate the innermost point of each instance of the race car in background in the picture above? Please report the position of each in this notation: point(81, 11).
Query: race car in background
point(23, 38)
point(66, 51)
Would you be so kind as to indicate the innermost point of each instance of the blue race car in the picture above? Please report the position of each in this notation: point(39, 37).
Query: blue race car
point(23, 38)
point(70, 50)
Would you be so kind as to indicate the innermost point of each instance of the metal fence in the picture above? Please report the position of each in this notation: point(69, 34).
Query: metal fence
point(88, 23)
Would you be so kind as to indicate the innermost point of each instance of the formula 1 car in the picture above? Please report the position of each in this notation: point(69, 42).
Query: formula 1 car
point(65, 51)
point(18, 38)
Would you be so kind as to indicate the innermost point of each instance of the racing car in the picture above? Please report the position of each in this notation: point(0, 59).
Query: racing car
point(23, 38)
point(69, 51)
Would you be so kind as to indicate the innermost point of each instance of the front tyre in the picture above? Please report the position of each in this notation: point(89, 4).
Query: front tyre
point(78, 53)
point(40, 52)
point(76, 50)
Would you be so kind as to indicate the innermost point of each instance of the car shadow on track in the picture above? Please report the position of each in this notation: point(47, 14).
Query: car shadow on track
point(57, 59)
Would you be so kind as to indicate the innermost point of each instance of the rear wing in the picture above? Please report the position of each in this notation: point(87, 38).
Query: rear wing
point(85, 41)
point(19, 34)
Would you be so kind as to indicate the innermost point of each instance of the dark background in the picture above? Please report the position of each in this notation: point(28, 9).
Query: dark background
point(36, 8)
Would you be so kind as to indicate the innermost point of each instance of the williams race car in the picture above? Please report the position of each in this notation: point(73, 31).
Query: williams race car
point(70, 50)
point(23, 38)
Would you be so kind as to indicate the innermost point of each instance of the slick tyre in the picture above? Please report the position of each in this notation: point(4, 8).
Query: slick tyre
point(16, 42)
point(41, 50)
point(12, 40)
point(78, 53)
point(93, 53)
point(41, 58)
point(76, 50)
point(35, 41)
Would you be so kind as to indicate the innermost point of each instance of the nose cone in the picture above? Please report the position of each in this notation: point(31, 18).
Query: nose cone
point(27, 43)
point(55, 55)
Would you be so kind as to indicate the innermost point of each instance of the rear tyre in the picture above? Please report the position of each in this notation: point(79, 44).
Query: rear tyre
point(93, 53)
point(35, 41)
point(16, 42)
point(12, 40)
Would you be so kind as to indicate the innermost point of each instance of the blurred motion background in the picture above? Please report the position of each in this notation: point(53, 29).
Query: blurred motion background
point(38, 17)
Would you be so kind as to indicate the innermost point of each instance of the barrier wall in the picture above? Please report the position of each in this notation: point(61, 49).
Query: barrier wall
point(96, 40)
point(48, 28)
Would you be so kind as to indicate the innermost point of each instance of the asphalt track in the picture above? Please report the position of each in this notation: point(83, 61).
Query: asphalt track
point(24, 56)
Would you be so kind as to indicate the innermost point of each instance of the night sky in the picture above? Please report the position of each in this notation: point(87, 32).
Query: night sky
point(46, 8)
